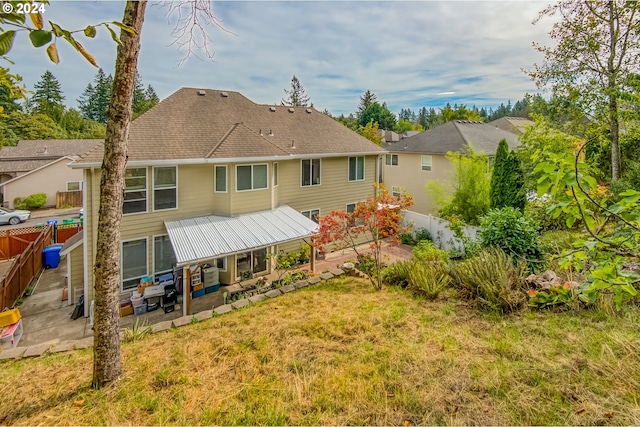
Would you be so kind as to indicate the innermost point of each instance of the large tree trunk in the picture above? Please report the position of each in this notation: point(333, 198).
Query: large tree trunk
point(106, 344)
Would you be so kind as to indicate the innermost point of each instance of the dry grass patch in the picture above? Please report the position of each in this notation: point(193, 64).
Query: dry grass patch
point(342, 353)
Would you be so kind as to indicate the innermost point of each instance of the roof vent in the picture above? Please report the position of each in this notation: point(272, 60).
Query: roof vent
point(201, 93)
point(270, 132)
point(308, 110)
point(224, 94)
point(291, 110)
point(272, 109)
point(260, 131)
point(293, 144)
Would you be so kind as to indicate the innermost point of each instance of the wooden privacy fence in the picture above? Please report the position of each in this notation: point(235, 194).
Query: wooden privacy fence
point(24, 268)
point(64, 231)
point(68, 198)
point(14, 242)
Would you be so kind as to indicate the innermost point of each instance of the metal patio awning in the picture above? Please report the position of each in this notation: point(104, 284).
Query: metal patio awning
point(207, 237)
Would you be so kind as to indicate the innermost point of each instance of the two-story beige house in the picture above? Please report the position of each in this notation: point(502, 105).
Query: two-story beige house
point(412, 162)
point(213, 177)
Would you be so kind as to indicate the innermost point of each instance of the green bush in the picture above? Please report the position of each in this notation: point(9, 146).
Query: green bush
point(491, 281)
point(425, 251)
point(537, 210)
point(423, 234)
point(407, 239)
point(513, 232)
point(32, 202)
point(423, 279)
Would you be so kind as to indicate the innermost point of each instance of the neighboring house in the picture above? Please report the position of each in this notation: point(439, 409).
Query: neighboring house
point(516, 125)
point(49, 179)
point(413, 162)
point(32, 155)
point(214, 178)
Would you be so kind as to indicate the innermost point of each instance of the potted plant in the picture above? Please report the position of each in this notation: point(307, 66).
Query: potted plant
point(305, 253)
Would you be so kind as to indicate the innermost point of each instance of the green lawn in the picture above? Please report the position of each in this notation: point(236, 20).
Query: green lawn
point(342, 353)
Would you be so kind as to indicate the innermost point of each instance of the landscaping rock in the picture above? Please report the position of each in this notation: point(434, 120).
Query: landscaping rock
point(37, 350)
point(287, 288)
point(12, 353)
point(233, 288)
point(301, 284)
point(257, 298)
point(182, 321)
point(337, 272)
point(326, 276)
point(66, 345)
point(274, 293)
point(162, 326)
point(314, 280)
point(204, 315)
point(239, 304)
point(223, 309)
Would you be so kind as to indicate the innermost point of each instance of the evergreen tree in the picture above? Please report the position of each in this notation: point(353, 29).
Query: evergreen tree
point(379, 114)
point(507, 180)
point(47, 98)
point(296, 97)
point(94, 102)
point(366, 99)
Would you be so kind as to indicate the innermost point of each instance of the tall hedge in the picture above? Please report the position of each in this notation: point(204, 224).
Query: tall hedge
point(507, 180)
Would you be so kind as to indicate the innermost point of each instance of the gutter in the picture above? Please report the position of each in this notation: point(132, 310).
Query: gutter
point(174, 162)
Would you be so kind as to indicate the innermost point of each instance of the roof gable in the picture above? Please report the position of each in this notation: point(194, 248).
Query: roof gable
point(48, 149)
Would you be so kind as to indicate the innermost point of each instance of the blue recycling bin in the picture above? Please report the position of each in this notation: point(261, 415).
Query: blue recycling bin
point(51, 256)
point(52, 221)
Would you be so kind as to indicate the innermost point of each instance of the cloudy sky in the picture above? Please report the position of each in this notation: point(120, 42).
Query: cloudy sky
point(410, 54)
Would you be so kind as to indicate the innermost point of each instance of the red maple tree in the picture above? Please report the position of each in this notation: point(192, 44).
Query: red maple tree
point(374, 220)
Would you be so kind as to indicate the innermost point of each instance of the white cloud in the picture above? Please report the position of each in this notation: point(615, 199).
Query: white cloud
point(411, 54)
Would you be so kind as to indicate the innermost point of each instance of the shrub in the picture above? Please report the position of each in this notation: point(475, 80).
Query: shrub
point(492, 281)
point(428, 279)
point(537, 210)
point(425, 251)
point(513, 232)
point(424, 279)
point(407, 239)
point(33, 201)
point(507, 180)
point(423, 234)
point(397, 274)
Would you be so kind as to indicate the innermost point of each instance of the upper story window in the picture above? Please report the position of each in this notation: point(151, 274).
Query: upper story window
point(220, 177)
point(426, 163)
point(135, 191)
point(165, 188)
point(356, 168)
point(391, 160)
point(310, 172)
point(251, 177)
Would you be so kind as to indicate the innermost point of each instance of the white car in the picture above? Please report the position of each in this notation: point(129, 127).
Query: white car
point(13, 217)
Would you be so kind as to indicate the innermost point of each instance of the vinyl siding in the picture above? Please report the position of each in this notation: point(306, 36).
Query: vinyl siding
point(196, 197)
point(408, 174)
point(76, 275)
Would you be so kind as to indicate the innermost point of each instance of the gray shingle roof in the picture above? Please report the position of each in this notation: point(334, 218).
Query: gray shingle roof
point(515, 125)
point(48, 149)
point(7, 166)
point(187, 125)
point(454, 136)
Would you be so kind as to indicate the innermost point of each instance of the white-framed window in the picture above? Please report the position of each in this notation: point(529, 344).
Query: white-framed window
point(275, 174)
point(251, 177)
point(220, 178)
point(426, 162)
point(133, 262)
point(310, 172)
point(391, 160)
point(74, 185)
point(135, 191)
point(312, 214)
point(165, 187)
point(253, 261)
point(396, 191)
point(356, 168)
point(163, 257)
point(351, 207)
